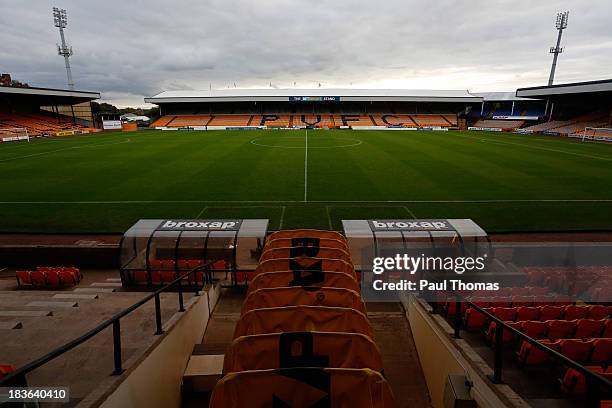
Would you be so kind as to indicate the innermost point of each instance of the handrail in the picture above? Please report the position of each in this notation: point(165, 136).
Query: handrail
point(19, 375)
point(592, 378)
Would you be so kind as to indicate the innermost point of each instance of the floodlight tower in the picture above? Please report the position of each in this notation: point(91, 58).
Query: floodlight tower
point(60, 20)
point(561, 25)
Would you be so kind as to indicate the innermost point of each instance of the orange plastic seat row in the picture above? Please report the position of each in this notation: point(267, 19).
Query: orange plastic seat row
point(303, 387)
point(303, 296)
point(594, 351)
point(302, 349)
point(305, 264)
point(302, 278)
point(296, 252)
point(313, 242)
point(306, 233)
point(302, 318)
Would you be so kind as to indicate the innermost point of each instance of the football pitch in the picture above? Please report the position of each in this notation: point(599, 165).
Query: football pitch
point(105, 182)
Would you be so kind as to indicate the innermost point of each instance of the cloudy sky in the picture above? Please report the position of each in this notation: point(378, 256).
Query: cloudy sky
point(130, 49)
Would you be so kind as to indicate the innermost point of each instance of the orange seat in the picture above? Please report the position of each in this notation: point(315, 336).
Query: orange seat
point(318, 279)
point(303, 387)
point(6, 369)
point(531, 355)
point(307, 233)
point(474, 319)
point(296, 252)
point(302, 318)
point(297, 264)
point(303, 295)
point(304, 349)
point(305, 242)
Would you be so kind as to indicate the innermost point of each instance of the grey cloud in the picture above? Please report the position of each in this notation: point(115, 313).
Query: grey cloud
point(131, 49)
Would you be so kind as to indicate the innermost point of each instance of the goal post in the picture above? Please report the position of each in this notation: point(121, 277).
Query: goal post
point(597, 134)
point(14, 134)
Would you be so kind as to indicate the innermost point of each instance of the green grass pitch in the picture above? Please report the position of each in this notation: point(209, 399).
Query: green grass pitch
point(105, 182)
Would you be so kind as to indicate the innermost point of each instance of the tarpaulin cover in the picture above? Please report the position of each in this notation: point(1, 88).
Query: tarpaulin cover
point(306, 264)
point(306, 242)
point(307, 233)
point(304, 278)
point(296, 252)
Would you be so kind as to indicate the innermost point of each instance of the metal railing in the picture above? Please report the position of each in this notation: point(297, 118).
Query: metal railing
point(594, 382)
point(18, 378)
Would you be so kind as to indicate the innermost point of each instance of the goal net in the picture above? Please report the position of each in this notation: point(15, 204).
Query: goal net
point(597, 134)
point(14, 134)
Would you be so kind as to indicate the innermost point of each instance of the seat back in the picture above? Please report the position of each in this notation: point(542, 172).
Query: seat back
point(299, 278)
point(297, 252)
point(23, 277)
point(305, 264)
point(303, 295)
point(504, 313)
point(305, 242)
point(306, 233)
point(548, 312)
point(303, 349)
point(52, 278)
point(38, 278)
point(560, 329)
point(602, 352)
point(598, 312)
point(587, 328)
point(577, 350)
point(527, 313)
point(302, 318)
point(534, 329)
point(303, 387)
point(576, 312)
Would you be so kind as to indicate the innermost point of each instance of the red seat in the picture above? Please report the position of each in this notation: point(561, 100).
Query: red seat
point(23, 278)
point(155, 264)
point(527, 313)
point(52, 278)
point(608, 329)
point(156, 277)
point(183, 264)
point(67, 278)
point(531, 355)
point(38, 278)
point(474, 319)
point(6, 369)
point(551, 312)
point(576, 312)
point(587, 328)
point(602, 351)
point(75, 271)
point(598, 312)
point(504, 313)
point(574, 383)
point(577, 350)
point(168, 276)
point(140, 276)
point(560, 329)
point(534, 329)
point(168, 264)
point(508, 337)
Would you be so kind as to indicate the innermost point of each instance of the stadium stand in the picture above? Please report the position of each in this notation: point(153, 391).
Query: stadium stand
point(506, 125)
point(38, 124)
point(307, 120)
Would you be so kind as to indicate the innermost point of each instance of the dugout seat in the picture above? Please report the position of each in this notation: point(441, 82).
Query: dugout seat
point(303, 295)
point(307, 242)
point(300, 278)
point(302, 318)
point(303, 387)
point(304, 349)
point(307, 233)
point(297, 252)
point(306, 264)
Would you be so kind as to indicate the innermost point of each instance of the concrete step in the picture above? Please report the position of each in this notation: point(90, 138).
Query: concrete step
point(113, 280)
point(75, 296)
point(52, 304)
point(203, 372)
point(106, 284)
point(94, 290)
point(10, 325)
point(25, 313)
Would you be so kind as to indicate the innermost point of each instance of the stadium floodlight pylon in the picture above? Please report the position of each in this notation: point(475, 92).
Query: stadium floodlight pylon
point(14, 134)
point(597, 134)
point(60, 20)
point(561, 24)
